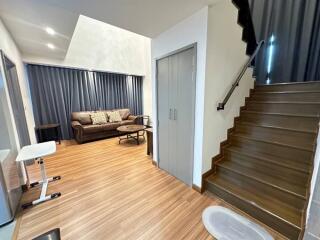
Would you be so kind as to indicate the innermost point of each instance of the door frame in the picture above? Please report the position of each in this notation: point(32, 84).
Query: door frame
point(4, 56)
point(190, 46)
point(6, 95)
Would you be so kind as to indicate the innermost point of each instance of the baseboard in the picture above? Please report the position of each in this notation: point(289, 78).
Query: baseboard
point(18, 219)
point(154, 163)
point(204, 176)
point(198, 189)
point(218, 156)
point(24, 187)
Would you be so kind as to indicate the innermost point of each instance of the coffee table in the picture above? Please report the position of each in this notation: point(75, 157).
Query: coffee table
point(132, 132)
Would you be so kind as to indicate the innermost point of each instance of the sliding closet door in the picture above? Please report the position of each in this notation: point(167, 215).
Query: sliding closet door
point(163, 112)
point(184, 115)
point(173, 84)
point(176, 91)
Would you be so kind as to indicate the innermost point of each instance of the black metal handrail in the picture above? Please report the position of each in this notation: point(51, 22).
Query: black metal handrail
point(236, 83)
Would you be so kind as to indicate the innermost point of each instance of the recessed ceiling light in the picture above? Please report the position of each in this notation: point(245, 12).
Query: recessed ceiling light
point(50, 31)
point(51, 46)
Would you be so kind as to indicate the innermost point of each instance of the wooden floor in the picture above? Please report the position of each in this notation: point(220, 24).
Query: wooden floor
point(112, 191)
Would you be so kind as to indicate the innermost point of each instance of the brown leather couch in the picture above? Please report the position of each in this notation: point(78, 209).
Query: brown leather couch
point(84, 130)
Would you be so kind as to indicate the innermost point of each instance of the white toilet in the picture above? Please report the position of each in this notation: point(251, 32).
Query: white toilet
point(224, 224)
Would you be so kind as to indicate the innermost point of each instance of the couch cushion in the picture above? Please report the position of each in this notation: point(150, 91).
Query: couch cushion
point(101, 127)
point(127, 122)
point(98, 118)
point(82, 117)
point(85, 119)
point(124, 113)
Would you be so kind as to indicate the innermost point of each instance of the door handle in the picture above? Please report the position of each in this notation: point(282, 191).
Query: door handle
point(175, 114)
point(170, 113)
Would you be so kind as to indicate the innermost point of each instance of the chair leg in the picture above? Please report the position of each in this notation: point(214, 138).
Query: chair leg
point(44, 182)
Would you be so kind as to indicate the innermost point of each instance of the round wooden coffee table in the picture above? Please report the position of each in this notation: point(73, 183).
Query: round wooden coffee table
point(132, 132)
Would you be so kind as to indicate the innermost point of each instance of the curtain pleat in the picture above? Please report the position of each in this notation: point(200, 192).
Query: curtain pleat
point(57, 92)
point(296, 28)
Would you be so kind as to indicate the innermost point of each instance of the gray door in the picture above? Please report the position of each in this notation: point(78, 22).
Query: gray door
point(176, 94)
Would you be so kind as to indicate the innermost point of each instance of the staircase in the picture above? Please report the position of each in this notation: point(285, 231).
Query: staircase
point(265, 166)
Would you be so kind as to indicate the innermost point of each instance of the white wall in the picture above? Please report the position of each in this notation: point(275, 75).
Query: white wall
point(220, 57)
point(147, 82)
point(313, 211)
point(7, 131)
point(315, 173)
point(8, 46)
point(225, 57)
point(191, 30)
point(99, 46)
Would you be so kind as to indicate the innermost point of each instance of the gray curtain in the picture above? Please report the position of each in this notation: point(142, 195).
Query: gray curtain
point(57, 92)
point(118, 91)
point(295, 25)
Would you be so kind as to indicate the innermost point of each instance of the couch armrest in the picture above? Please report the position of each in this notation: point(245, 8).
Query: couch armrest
point(133, 118)
point(77, 131)
point(76, 124)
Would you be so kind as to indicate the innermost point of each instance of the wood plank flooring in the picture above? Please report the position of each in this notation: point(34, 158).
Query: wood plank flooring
point(112, 191)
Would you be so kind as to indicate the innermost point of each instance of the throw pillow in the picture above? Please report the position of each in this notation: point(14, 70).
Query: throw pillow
point(114, 116)
point(98, 118)
point(124, 113)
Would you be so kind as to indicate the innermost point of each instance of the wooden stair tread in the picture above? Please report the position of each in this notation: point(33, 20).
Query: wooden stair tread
point(282, 102)
point(276, 127)
point(282, 92)
point(282, 114)
point(289, 83)
point(275, 207)
point(278, 183)
point(280, 161)
point(310, 149)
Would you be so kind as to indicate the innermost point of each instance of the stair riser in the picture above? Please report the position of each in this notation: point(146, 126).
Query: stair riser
point(292, 108)
point(268, 219)
point(286, 97)
point(292, 122)
point(293, 138)
point(289, 87)
point(254, 185)
point(276, 150)
point(276, 171)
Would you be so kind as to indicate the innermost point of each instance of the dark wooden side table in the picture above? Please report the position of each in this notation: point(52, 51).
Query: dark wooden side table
point(149, 132)
point(144, 120)
point(45, 128)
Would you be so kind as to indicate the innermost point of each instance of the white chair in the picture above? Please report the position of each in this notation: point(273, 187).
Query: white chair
point(37, 152)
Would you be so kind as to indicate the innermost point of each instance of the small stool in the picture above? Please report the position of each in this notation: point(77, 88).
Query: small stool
point(36, 152)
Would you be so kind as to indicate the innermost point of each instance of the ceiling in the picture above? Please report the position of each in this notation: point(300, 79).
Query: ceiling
point(26, 20)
